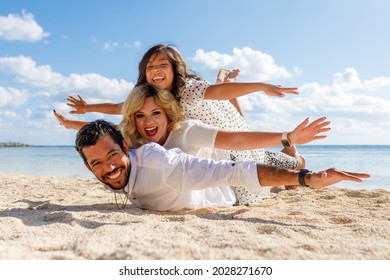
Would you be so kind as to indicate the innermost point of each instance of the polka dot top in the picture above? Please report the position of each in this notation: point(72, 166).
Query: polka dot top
point(218, 113)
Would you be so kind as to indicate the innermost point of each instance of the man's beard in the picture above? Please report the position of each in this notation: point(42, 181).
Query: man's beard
point(120, 188)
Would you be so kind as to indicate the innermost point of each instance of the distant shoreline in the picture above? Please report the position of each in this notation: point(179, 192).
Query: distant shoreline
point(13, 144)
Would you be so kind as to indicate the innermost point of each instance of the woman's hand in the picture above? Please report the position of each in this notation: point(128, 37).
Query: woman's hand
point(73, 124)
point(305, 132)
point(78, 105)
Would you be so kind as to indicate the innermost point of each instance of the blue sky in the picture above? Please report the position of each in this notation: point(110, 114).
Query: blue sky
point(336, 52)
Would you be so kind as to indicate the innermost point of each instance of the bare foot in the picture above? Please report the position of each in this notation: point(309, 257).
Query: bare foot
point(227, 76)
point(222, 76)
point(292, 151)
point(291, 188)
point(301, 162)
point(232, 76)
point(277, 189)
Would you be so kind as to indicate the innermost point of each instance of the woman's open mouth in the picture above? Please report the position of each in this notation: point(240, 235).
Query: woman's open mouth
point(151, 131)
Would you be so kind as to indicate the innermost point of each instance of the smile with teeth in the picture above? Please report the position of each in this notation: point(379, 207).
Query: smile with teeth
point(151, 131)
point(114, 175)
point(158, 79)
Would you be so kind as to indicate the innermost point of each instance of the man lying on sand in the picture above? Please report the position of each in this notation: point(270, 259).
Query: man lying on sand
point(169, 180)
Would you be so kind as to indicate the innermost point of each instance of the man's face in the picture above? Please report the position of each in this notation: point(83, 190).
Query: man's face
point(109, 163)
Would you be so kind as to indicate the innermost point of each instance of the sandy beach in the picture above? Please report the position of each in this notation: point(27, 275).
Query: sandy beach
point(46, 217)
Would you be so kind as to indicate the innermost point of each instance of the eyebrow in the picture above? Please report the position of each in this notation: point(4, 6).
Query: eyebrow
point(109, 153)
point(154, 60)
point(155, 109)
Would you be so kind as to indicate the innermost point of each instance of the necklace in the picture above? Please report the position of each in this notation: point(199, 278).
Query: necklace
point(122, 199)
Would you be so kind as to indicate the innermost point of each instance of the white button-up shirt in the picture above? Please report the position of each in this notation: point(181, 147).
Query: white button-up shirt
point(164, 180)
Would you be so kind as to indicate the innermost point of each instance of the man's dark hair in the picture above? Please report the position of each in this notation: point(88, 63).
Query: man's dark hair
point(89, 134)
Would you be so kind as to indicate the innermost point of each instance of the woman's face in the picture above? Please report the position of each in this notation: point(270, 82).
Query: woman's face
point(159, 72)
point(151, 122)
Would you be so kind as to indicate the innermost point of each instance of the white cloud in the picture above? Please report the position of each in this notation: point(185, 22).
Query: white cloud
point(29, 113)
point(135, 44)
point(2, 124)
point(21, 28)
point(349, 103)
point(9, 114)
point(358, 109)
point(349, 95)
point(109, 46)
point(30, 74)
point(254, 65)
point(12, 97)
point(93, 40)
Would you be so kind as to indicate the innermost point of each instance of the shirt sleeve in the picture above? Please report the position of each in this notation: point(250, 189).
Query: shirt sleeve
point(193, 94)
point(194, 173)
point(200, 135)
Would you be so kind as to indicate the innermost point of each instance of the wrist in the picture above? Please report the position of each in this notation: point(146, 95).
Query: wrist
point(302, 177)
point(285, 140)
point(291, 138)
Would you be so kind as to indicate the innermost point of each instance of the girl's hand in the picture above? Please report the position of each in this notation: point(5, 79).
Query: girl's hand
point(305, 132)
point(278, 91)
point(77, 104)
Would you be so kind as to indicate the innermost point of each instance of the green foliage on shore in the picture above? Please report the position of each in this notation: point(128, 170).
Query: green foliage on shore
point(13, 144)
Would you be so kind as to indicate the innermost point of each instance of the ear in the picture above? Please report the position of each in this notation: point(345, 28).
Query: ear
point(126, 147)
point(87, 165)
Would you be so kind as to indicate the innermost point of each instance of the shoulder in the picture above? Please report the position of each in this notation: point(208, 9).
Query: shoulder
point(151, 149)
point(191, 122)
point(198, 123)
point(191, 82)
point(195, 125)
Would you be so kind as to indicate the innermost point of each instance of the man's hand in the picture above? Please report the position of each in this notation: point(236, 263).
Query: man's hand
point(331, 176)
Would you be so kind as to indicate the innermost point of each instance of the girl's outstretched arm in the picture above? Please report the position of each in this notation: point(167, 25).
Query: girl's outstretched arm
point(80, 106)
point(228, 91)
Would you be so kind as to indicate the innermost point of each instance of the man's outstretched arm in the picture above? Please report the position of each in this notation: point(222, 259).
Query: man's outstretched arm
point(275, 176)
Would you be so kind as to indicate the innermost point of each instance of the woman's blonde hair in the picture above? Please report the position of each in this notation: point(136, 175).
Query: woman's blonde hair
point(134, 102)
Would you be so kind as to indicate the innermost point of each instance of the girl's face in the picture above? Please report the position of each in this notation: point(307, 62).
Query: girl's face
point(159, 72)
point(151, 122)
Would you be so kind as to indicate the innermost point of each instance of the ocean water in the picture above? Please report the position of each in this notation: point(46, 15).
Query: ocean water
point(43, 160)
point(64, 161)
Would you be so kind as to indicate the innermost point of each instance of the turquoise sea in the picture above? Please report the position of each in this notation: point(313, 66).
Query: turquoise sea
point(64, 161)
